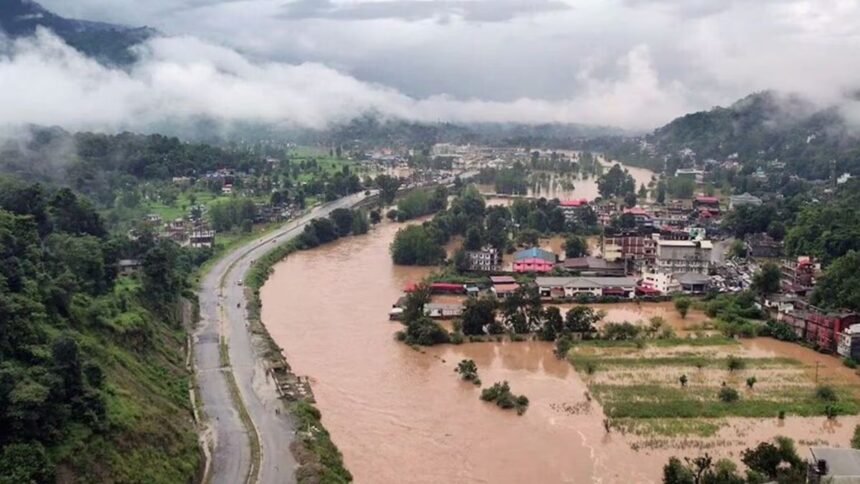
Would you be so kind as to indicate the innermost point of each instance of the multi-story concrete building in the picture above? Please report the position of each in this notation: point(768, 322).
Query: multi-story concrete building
point(488, 259)
point(633, 246)
point(678, 256)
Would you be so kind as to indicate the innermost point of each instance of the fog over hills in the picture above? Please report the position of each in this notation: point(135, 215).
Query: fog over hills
point(85, 75)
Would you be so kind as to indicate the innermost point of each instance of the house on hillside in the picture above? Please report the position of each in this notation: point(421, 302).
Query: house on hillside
point(736, 201)
point(534, 260)
point(128, 267)
point(201, 238)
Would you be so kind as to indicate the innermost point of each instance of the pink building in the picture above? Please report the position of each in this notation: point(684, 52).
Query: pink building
point(534, 260)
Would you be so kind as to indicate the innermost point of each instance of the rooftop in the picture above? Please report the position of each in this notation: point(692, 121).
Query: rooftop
point(691, 278)
point(535, 253)
point(505, 288)
point(704, 244)
point(840, 462)
point(586, 281)
point(586, 263)
point(574, 203)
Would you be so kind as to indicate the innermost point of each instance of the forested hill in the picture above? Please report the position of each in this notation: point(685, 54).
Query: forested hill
point(763, 127)
point(107, 43)
point(97, 165)
point(93, 385)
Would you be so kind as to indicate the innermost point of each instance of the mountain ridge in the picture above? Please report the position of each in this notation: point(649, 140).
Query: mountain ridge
point(108, 43)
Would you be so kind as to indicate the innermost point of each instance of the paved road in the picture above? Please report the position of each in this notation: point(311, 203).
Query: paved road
point(220, 316)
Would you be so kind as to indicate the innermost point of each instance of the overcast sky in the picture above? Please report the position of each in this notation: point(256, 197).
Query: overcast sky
point(630, 63)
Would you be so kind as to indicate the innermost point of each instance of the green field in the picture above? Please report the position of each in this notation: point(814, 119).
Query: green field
point(640, 385)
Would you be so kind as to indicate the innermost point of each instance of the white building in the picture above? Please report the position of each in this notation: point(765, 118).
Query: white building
point(697, 175)
point(692, 256)
point(590, 286)
point(665, 283)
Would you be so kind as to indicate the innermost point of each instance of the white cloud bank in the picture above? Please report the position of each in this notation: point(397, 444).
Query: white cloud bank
point(43, 81)
point(635, 64)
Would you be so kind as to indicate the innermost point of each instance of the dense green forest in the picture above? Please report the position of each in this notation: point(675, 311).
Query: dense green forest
point(93, 386)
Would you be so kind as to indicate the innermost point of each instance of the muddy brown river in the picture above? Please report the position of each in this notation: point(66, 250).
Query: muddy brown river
point(403, 416)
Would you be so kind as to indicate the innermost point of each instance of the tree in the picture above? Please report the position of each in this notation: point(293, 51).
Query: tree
point(342, 219)
point(734, 363)
point(616, 182)
point(751, 381)
point(25, 463)
point(468, 371)
point(683, 381)
point(728, 395)
point(675, 472)
point(738, 249)
point(415, 302)
point(765, 459)
point(415, 245)
point(375, 217)
point(553, 324)
point(388, 187)
point(477, 314)
point(426, 332)
point(682, 305)
point(838, 287)
point(643, 192)
point(630, 200)
point(473, 239)
point(581, 319)
point(575, 246)
point(360, 224)
point(767, 280)
point(776, 230)
point(661, 192)
point(681, 187)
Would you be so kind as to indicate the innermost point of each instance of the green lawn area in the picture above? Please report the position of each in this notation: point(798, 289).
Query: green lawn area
point(183, 203)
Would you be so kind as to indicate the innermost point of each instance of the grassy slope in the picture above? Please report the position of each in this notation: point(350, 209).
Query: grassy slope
point(151, 438)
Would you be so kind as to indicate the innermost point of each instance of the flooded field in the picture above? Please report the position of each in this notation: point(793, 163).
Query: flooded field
point(402, 415)
point(570, 186)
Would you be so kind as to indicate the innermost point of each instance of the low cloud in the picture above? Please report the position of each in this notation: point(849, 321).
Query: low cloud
point(46, 82)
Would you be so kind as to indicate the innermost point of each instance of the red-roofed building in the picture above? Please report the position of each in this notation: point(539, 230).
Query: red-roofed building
point(504, 290)
point(447, 288)
point(710, 202)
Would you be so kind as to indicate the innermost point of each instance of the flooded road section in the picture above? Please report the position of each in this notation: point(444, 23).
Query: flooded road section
point(400, 415)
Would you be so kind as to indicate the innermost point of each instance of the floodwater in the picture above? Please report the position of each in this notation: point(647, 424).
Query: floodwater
point(401, 415)
point(558, 186)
